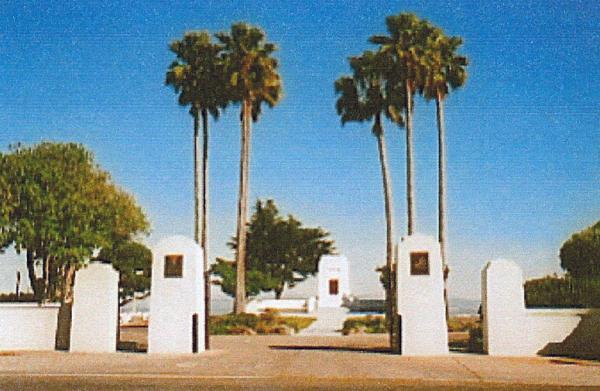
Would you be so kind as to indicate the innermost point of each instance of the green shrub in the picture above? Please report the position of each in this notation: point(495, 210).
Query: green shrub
point(562, 292)
point(462, 323)
point(475, 344)
point(223, 324)
point(12, 297)
point(269, 316)
point(269, 322)
point(366, 324)
point(297, 322)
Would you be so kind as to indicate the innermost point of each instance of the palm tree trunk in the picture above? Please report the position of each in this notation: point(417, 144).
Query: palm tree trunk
point(410, 197)
point(389, 219)
point(195, 113)
point(442, 192)
point(204, 239)
point(240, 288)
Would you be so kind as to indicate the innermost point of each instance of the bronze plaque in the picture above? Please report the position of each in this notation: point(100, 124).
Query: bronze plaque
point(333, 287)
point(173, 266)
point(419, 263)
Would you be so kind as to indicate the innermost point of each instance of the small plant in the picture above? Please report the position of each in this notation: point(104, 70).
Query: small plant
point(462, 323)
point(12, 297)
point(475, 344)
point(269, 322)
point(364, 324)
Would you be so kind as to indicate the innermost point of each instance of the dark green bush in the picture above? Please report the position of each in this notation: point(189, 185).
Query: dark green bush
point(269, 322)
point(12, 297)
point(222, 324)
point(475, 344)
point(562, 292)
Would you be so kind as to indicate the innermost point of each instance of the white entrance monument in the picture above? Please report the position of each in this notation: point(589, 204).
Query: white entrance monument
point(421, 297)
point(333, 280)
point(176, 323)
point(95, 309)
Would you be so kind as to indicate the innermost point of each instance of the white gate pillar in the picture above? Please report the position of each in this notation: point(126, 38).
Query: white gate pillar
point(95, 309)
point(421, 297)
point(176, 323)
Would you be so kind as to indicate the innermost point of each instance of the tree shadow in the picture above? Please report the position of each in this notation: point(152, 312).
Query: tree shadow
point(582, 343)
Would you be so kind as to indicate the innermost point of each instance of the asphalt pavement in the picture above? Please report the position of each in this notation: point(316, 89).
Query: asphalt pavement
point(291, 362)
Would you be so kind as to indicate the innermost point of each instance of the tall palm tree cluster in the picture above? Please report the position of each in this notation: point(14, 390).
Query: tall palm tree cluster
point(208, 76)
point(238, 67)
point(415, 57)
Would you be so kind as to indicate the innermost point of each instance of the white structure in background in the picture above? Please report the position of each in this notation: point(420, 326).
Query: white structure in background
point(509, 329)
point(95, 309)
point(28, 326)
point(283, 305)
point(421, 297)
point(333, 280)
point(176, 322)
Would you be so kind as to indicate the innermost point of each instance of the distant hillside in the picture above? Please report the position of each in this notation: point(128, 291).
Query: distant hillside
point(460, 306)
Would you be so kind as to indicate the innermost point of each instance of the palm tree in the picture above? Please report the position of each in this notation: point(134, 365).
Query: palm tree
point(445, 71)
point(404, 47)
point(253, 79)
point(197, 76)
point(365, 96)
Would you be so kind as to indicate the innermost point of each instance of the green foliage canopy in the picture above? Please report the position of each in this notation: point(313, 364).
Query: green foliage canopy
point(197, 74)
point(250, 69)
point(366, 94)
point(133, 261)
point(580, 255)
point(60, 208)
point(281, 252)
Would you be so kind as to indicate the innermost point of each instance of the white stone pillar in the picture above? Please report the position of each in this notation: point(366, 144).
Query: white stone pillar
point(95, 309)
point(333, 280)
point(421, 297)
point(176, 323)
point(503, 307)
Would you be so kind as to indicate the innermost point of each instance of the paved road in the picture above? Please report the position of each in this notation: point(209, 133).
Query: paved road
point(282, 362)
point(329, 322)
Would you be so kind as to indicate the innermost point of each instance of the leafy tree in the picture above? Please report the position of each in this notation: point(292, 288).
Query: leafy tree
point(133, 261)
point(197, 75)
point(253, 80)
point(281, 252)
point(366, 96)
point(580, 254)
point(405, 47)
point(256, 280)
point(64, 209)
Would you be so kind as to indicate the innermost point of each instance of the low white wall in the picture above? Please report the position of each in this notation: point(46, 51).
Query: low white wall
point(549, 325)
point(28, 326)
point(509, 329)
point(300, 305)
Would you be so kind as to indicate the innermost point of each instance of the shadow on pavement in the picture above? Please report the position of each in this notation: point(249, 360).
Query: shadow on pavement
point(582, 343)
point(381, 350)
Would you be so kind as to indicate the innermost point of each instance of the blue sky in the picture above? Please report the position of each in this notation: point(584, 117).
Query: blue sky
point(523, 134)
